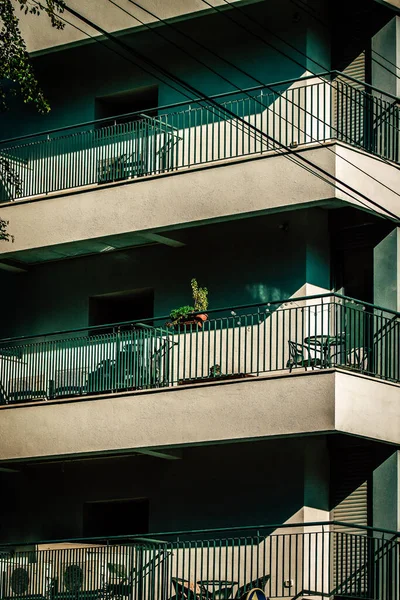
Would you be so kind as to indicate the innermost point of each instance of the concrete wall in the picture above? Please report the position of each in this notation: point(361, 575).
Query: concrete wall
point(386, 494)
point(272, 183)
point(319, 401)
point(386, 44)
point(41, 37)
point(212, 486)
point(241, 262)
point(224, 192)
point(387, 271)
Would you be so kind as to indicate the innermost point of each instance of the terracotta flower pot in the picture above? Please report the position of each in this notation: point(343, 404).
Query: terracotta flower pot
point(201, 318)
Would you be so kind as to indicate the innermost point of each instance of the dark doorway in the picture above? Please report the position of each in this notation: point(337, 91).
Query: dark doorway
point(354, 235)
point(116, 517)
point(141, 99)
point(120, 307)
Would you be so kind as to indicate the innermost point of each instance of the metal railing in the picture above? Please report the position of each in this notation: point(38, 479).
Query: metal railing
point(291, 113)
point(316, 332)
point(290, 561)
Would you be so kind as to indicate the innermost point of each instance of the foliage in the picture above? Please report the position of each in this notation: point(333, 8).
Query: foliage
point(118, 571)
point(200, 297)
point(200, 304)
point(181, 313)
point(16, 71)
point(4, 235)
point(17, 75)
point(215, 371)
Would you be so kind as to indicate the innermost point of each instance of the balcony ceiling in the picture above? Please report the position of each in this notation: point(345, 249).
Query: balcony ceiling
point(41, 37)
point(20, 261)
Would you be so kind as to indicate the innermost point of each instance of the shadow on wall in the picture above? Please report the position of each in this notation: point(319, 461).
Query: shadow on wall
point(241, 262)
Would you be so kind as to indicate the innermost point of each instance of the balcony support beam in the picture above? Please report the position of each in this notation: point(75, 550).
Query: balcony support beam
point(160, 453)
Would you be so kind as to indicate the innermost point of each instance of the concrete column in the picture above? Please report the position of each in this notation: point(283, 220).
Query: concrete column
point(387, 271)
point(386, 494)
point(316, 479)
point(386, 515)
point(316, 230)
point(386, 44)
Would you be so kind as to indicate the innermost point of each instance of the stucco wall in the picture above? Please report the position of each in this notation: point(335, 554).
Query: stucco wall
point(320, 401)
point(226, 191)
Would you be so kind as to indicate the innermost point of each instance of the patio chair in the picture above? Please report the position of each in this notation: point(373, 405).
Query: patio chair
point(357, 358)
point(258, 583)
point(301, 355)
point(189, 590)
point(254, 594)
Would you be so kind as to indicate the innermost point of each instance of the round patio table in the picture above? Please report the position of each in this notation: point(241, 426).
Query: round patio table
point(324, 344)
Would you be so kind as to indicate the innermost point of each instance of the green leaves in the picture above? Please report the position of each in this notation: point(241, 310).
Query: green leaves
point(180, 313)
point(4, 235)
point(16, 71)
point(200, 296)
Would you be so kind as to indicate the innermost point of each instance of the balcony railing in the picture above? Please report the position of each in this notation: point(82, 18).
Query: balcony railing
point(316, 332)
point(292, 561)
point(291, 113)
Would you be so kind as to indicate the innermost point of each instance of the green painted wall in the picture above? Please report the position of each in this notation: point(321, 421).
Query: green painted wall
point(213, 486)
point(241, 262)
point(73, 78)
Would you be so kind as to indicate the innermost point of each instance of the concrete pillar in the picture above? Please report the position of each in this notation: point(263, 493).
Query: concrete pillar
point(386, 57)
point(387, 271)
point(386, 494)
point(317, 248)
point(316, 477)
point(386, 515)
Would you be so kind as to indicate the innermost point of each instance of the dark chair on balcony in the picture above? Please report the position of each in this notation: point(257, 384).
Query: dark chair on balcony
point(254, 594)
point(301, 355)
point(189, 590)
point(357, 358)
point(258, 583)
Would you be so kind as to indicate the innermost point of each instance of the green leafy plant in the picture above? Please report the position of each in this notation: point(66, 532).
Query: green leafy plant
point(200, 297)
point(178, 314)
point(17, 75)
point(200, 304)
point(4, 235)
point(117, 571)
point(215, 371)
point(16, 71)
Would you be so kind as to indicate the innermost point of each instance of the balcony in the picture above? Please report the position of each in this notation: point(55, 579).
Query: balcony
point(292, 113)
point(291, 561)
point(313, 333)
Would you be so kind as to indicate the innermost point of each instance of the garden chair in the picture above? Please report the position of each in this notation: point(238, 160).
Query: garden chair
point(301, 355)
point(356, 358)
point(254, 594)
point(189, 590)
point(258, 583)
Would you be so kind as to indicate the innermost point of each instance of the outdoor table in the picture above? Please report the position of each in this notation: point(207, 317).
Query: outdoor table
point(324, 343)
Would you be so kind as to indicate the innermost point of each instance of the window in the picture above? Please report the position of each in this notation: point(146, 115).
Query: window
point(141, 99)
point(131, 305)
point(116, 517)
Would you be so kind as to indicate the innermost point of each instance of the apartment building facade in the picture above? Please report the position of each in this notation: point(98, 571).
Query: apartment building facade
point(253, 146)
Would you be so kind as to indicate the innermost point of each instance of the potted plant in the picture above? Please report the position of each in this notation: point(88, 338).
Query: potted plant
point(200, 301)
point(191, 315)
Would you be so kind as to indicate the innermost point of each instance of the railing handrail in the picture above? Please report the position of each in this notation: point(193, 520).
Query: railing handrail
point(258, 528)
point(143, 322)
point(198, 100)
